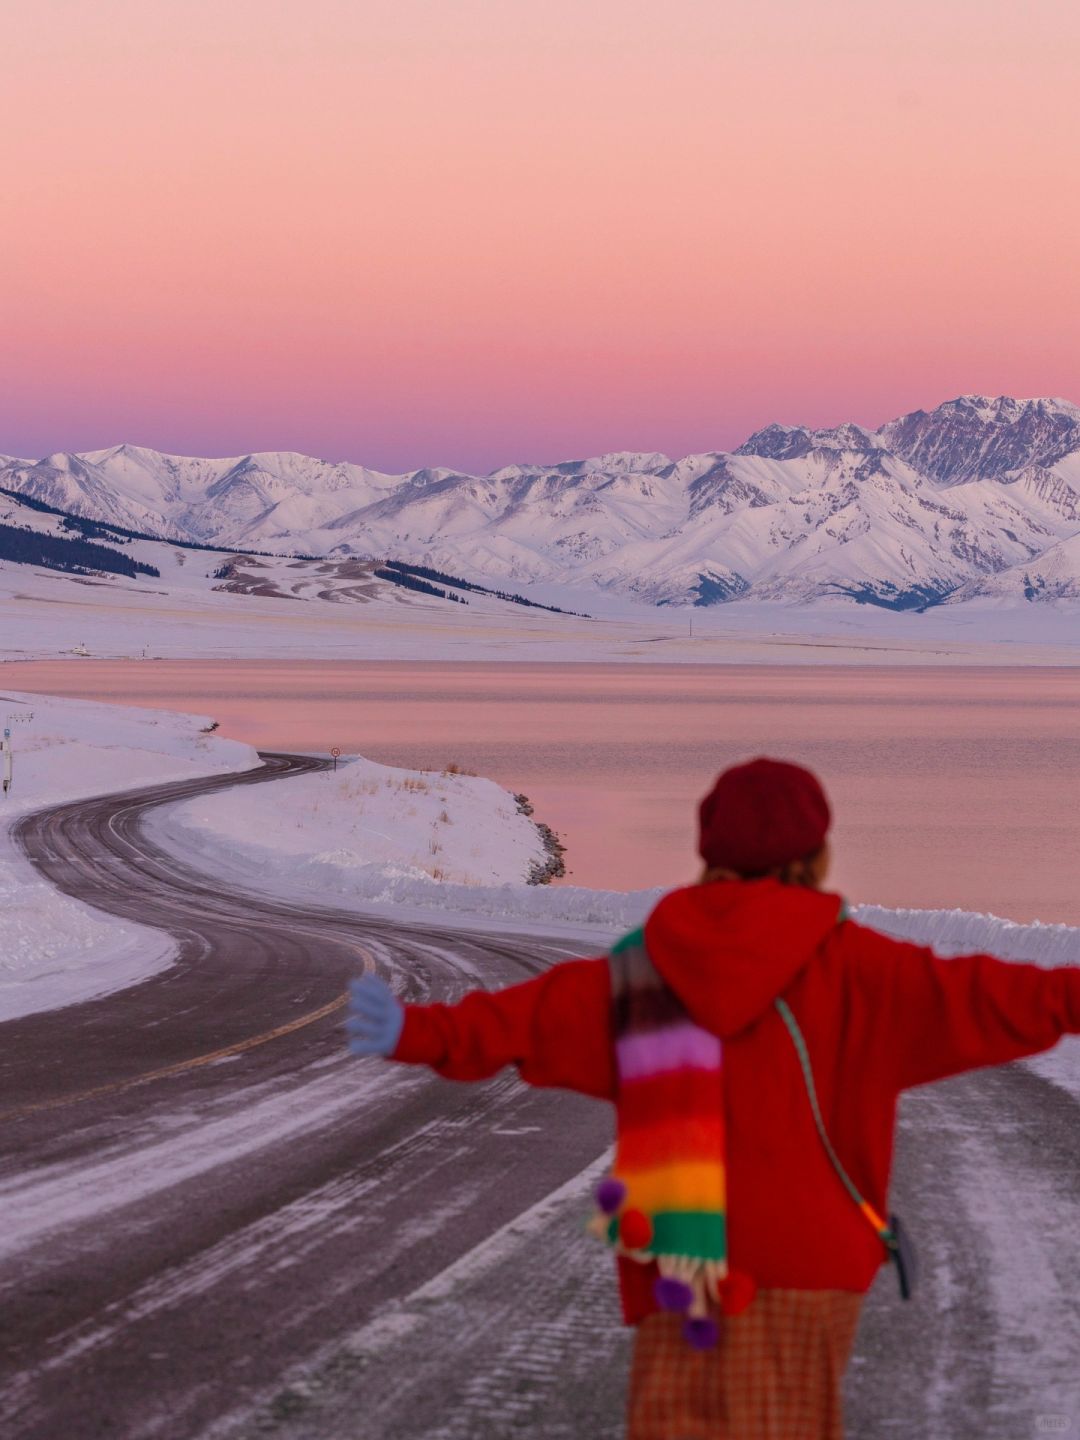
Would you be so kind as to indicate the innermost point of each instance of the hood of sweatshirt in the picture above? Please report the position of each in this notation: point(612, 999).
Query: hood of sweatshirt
point(729, 948)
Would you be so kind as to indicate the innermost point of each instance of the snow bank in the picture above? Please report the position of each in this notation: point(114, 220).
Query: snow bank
point(55, 950)
point(964, 932)
point(344, 877)
point(329, 830)
point(377, 835)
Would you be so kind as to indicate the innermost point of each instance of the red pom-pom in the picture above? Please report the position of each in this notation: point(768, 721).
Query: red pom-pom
point(635, 1230)
point(736, 1292)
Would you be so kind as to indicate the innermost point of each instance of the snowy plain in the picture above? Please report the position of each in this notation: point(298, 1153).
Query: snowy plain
point(50, 615)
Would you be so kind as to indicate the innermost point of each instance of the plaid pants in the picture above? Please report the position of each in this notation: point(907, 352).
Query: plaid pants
point(775, 1375)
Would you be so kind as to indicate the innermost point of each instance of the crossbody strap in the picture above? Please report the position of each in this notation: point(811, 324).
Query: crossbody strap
point(882, 1228)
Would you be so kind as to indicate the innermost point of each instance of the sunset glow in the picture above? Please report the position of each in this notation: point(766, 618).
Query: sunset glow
point(465, 232)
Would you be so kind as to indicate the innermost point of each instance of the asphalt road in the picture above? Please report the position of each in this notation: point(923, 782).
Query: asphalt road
point(214, 1224)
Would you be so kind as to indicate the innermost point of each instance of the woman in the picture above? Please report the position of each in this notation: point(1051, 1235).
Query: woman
point(754, 1041)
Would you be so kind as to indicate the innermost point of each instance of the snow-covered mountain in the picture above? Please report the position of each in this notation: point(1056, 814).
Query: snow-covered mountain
point(980, 496)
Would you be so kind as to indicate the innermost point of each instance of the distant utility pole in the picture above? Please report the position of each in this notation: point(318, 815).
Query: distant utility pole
point(691, 624)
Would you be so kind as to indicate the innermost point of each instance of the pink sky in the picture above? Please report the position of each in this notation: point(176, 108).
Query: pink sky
point(411, 232)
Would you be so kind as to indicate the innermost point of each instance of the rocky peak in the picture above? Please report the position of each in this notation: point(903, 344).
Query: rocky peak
point(793, 442)
point(979, 436)
point(777, 442)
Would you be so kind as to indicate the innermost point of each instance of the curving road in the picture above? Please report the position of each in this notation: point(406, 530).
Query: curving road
point(198, 1185)
point(214, 1224)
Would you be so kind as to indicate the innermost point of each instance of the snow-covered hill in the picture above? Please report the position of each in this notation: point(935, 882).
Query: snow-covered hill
point(32, 533)
point(980, 496)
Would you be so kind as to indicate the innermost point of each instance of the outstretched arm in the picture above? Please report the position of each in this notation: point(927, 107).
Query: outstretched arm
point(555, 1029)
point(941, 1017)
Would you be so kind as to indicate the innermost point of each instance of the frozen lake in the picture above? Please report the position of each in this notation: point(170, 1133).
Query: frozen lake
point(951, 787)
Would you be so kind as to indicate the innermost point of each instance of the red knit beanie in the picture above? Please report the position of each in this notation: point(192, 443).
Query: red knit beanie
point(761, 815)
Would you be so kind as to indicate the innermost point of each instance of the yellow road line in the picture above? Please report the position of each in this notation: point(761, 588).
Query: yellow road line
point(181, 1065)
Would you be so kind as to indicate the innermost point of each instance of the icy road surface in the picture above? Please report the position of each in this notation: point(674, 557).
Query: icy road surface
point(215, 1224)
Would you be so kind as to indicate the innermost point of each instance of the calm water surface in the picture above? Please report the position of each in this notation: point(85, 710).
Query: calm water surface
point(951, 787)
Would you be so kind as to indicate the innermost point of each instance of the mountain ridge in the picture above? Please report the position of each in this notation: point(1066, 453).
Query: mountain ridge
point(934, 506)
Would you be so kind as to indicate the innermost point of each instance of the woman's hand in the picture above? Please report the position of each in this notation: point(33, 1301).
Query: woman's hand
point(375, 1018)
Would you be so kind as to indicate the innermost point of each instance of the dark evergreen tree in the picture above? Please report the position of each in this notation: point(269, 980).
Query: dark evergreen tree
point(57, 552)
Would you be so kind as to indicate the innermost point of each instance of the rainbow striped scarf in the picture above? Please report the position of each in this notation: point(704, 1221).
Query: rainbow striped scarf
point(666, 1198)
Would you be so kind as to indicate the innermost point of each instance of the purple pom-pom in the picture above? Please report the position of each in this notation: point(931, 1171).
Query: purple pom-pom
point(702, 1332)
point(610, 1194)
point(672, 1294)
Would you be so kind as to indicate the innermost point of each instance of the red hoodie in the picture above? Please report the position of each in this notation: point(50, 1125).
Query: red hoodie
point(879, 1015)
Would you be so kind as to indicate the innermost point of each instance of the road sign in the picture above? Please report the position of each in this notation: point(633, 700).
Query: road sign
point(335, 752)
